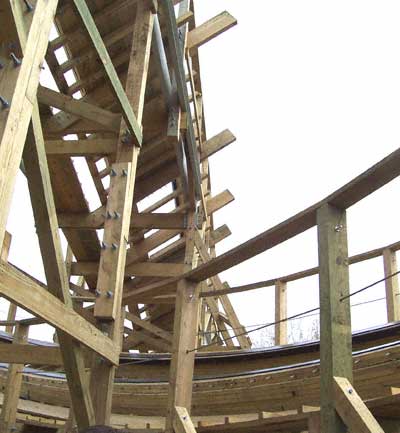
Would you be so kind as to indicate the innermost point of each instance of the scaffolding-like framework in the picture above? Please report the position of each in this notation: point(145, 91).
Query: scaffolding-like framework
point(141, 271)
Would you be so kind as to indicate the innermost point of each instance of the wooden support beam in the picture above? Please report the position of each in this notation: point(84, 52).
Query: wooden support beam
point(15, 120)
point(352, 409)
point(360, 187)
point(185, 336)
point(183, 422)
point(210, 29)
point(17, 287)
point(219, 201)
point(12, 309)
point(391, 285)
point(97, 146)
point(145, 269)
point(12, 389)
point(110, 279)
point(29, 354)
point(95, 220)
point(280, 313)
point(133, 124)
point(79, 108)
point(150, 327)
point(216, 143)
point(238, 329)
point(335, 321)
point(40, 189)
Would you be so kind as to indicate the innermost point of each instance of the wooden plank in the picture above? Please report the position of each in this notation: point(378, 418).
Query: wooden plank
point(280, 313)
point(368, 182)
point(210, 29)
point(32, 297)
point(148, 326)
point(110, 279)
point(13, 135)
point(183, 422)
point(216, 143)
point(127, 112)
point(29, 354)
point(335, 321)
point(238, 329)
point(116, 234)
point(12, 309)
point(219, 201)
point(391, 285)
point(145, 269)
point(97, 146)
point(95, 220)
point(358, 258)
point(12, 391)
point(352, 409)
point(184, 336)
point(79, 108)
point(37, 172)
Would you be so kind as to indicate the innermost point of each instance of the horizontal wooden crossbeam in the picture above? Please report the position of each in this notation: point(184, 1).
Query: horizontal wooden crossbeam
point(368, 182)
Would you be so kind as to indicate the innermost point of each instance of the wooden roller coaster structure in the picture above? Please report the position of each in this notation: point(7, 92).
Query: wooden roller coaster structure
point(146, 337)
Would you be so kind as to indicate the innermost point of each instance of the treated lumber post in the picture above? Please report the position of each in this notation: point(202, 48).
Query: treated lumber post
point(184, 337)
point(40, 189)
point(280, 313)
point(15, 120)
point(12, 389)
point(391, 285)
point(120, 199)
point(352, 409)
point(12, 309)
point(335, 322)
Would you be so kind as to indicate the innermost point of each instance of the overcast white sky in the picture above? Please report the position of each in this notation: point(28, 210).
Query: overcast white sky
point(311, 90)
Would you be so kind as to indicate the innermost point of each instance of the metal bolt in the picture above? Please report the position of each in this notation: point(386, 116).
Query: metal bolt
point(4, 103)
point(29, 7)
point(97, 293)
point(338, 227)
point(113, 172)
point(126, 139)
point(103, 245)
point(109, 215)
point(114, 246)
point(124, 172)
point(16, 60)
point(109, 294)
point(350, 391)
point(116, 215)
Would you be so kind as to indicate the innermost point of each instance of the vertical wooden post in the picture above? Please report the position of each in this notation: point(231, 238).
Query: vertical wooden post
point(185, 330)
point(280, 313)
point(336, 345)
point(12, 309)
point(391, 285)
point(12, 391)
point(314, 423)
point(119, 203)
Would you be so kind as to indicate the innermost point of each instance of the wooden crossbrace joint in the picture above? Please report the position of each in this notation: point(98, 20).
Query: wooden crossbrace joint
point(352, 409)
point(182, 422)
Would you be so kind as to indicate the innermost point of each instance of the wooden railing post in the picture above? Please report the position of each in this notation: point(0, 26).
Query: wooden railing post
point(335, 348)
point(391, 285)
point(12, 392)
point(280, 313)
